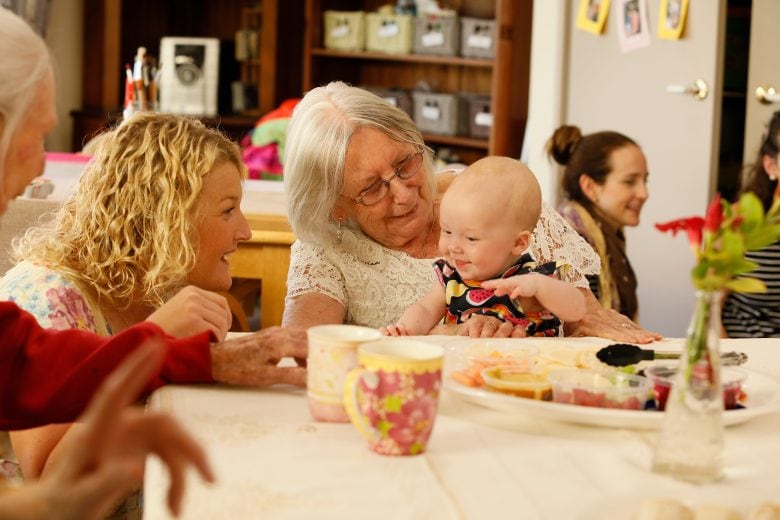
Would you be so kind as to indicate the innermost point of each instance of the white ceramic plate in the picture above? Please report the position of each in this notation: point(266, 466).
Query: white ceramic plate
point(763, 397)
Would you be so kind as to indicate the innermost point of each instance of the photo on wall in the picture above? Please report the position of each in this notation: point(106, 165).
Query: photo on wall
point(632, 26)
point(671, 19)
point(592, 15)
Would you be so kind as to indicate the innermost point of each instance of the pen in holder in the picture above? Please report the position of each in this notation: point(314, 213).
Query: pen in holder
point(141, 84)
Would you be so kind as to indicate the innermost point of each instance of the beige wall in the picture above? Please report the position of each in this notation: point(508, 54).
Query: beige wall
point(65, 37)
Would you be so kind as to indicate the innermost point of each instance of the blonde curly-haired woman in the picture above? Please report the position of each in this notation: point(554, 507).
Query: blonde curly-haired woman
point(148, 230)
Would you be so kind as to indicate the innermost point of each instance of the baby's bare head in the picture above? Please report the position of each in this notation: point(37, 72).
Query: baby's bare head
point(507, 187)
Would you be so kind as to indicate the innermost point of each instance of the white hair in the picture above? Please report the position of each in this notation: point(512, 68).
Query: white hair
point(24, 63)
point(316, 147)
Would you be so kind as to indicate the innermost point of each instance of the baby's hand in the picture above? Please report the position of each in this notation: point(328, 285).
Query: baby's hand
point(394, 330)
point(518, 286)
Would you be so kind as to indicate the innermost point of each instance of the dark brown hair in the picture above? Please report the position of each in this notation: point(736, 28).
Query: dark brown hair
point(583, 154)
point(754, 177)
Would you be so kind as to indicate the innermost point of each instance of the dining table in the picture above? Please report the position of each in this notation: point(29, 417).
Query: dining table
point(272, 460)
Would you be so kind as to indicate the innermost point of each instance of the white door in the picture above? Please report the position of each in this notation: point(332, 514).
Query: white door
point(763, 72)
point(610, 90)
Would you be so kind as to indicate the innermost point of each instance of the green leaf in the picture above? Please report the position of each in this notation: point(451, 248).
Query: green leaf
point(700, 270)
point(773, 215)
point(752, 211)
point(761, 238)
point(742, 266)
point(746, 285)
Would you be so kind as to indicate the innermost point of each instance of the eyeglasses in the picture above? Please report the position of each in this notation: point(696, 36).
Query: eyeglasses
point(406, 169)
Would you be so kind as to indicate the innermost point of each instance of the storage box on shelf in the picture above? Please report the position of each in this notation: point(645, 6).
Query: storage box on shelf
point(477, 38)
point(345, 30)
point(480, 116)
point(440, 113)
point(391, 33)
point(395, 96)
point(436, 35)
point(503, 77)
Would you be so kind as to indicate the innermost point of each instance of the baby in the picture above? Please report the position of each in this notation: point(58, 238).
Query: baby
point(487, 215)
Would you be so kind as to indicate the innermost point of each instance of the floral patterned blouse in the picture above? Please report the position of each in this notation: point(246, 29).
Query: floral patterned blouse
point(54, 300)
point(57, 303)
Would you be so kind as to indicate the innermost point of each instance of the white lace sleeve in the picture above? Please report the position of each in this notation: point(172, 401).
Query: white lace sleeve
point(375, 284)
point(311, 272)
point(555, 240)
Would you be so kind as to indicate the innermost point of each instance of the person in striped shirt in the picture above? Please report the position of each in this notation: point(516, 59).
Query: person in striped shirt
point(758, 315)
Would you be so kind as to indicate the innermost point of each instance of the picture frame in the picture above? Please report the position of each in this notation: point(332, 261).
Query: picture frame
point(633, 28)
point(592, 15)
point(671, 19)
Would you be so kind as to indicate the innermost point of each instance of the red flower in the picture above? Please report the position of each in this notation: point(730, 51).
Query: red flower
point(720, 239)
point(691, 225)
point(714, 216)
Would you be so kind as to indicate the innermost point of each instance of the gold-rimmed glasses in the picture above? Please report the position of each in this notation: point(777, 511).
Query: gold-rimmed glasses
point(377, 190)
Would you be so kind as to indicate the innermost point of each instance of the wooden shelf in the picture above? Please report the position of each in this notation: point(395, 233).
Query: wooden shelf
point(90, 122)
point(466, 142)
point(118, 27)
point(410, 58)
point(505, 77)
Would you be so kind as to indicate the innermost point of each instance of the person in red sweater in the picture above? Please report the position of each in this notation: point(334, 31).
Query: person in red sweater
point(33, 393)
point(105, 460)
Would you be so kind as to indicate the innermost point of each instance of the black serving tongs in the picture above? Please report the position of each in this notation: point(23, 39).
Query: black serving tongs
point(622, 354)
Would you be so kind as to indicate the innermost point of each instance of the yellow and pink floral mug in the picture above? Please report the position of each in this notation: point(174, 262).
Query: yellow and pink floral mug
point(393, 396)
point(332, 354)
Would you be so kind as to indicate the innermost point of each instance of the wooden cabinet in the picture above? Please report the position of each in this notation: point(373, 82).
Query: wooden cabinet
point(504, 78)
point(114, 29)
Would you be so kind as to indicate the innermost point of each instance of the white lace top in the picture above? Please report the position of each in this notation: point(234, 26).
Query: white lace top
point(376, 284)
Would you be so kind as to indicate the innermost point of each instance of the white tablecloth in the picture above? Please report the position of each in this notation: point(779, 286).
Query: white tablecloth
point(273, 461)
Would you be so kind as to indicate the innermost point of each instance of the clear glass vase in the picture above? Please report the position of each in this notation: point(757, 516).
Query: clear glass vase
point(690, 445)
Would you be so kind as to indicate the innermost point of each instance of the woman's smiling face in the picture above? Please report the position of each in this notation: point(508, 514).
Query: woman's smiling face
point(406, 211)
point(221, 225)
point(624, 191)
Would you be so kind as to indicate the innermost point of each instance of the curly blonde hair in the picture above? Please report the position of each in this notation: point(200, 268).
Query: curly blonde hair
point(129, 232)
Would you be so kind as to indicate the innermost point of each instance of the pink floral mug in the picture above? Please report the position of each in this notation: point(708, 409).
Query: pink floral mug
point(393, 396)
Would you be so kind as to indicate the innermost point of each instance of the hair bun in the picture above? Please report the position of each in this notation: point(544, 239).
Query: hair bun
point(563, 143)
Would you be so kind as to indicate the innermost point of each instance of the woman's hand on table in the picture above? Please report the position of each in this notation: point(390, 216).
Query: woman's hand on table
point(252, 359)
point(481, 326)
point(104, 461)
point(608, 323)
point(193, 310)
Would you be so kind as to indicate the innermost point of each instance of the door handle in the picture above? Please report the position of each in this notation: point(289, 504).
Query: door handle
point(699, 89)
point(767, 95)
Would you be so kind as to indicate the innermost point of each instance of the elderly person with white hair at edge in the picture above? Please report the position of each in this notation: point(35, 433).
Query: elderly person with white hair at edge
point(363, 201)
point(50, 376)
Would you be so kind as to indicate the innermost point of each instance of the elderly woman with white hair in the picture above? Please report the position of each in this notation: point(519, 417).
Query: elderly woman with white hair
point(363, 202)
point(105, 460)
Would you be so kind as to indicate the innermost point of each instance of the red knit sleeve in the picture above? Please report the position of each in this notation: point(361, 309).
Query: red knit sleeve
point(49, 376)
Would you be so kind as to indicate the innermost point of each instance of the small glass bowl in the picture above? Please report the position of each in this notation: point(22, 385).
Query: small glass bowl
point(600, 389)
point(662, 378)
point(470, 357)
point(518, 381)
